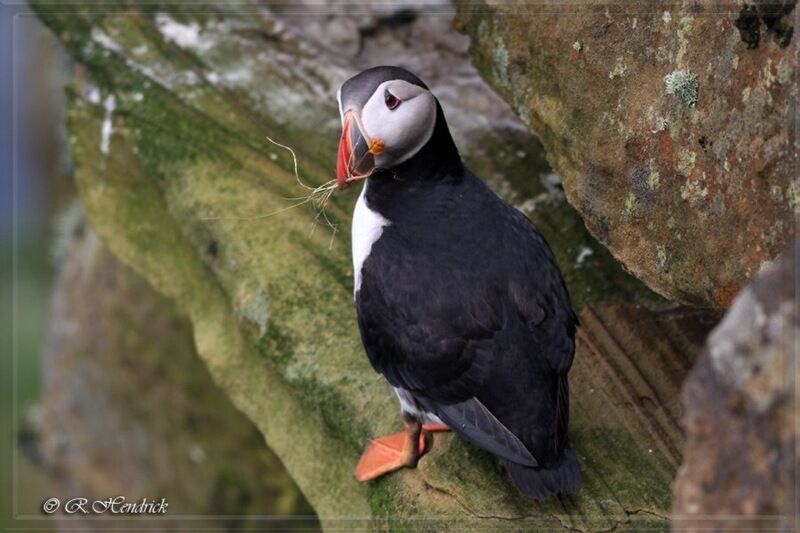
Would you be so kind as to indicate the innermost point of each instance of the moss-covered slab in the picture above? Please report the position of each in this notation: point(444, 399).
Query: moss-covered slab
point(123, 415)
point(178, 180)
point(673, 126)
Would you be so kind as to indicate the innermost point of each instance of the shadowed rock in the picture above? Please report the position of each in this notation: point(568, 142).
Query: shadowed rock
point(741, 406)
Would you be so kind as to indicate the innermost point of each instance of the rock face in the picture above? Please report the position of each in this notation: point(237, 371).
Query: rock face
point(741, 412)
point(168, 116)
point(672, 128)
point(123, 414)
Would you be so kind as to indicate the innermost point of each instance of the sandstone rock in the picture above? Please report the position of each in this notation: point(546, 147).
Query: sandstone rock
point(741, 412)
point(672, 128)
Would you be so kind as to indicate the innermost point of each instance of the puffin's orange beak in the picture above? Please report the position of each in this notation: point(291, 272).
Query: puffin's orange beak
point(355, 160)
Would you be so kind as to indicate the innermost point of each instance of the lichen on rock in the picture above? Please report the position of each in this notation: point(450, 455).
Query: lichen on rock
point(683, 85)
point(692, 92)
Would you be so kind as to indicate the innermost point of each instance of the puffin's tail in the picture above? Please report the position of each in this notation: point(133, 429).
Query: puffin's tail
point(563, 477)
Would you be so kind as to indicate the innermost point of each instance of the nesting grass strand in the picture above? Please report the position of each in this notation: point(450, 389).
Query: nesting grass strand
point(318, 197)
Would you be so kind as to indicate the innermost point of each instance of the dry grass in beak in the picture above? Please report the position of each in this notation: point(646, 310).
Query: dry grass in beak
point(318, 197)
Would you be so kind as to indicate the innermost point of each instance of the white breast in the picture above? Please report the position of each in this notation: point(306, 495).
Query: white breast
point(367, 228)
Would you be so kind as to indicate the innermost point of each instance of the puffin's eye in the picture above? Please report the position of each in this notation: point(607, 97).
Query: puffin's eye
point(391, 100)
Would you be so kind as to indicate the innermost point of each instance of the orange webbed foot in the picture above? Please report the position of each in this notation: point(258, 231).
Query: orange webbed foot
point(393, 452)
point(435, 427)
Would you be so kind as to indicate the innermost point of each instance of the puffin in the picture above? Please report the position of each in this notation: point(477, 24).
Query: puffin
point(460, 303)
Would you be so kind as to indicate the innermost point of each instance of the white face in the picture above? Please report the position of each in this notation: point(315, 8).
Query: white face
point(402, 116)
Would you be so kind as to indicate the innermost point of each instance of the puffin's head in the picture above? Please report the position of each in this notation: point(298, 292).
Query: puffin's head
point(388, 115)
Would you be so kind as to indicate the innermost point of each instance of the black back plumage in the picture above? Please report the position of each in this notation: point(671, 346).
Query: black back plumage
point(462, 304)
